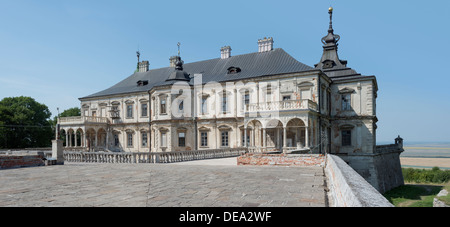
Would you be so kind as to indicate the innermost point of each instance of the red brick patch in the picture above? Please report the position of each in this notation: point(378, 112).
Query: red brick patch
point(17, 161)
point(282, 160)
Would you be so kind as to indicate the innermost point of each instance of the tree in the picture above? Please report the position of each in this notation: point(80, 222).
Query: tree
point(24, 123)
point(72, 112)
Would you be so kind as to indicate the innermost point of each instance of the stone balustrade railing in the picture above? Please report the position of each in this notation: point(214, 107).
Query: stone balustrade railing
point(165, 157)
point(82, 120)
point(283, 105)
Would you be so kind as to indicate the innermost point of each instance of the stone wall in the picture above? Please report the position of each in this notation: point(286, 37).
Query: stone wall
point(389, 170)
point(17, 161)
point(383, 170)
point(282, 159)
point(349, 189)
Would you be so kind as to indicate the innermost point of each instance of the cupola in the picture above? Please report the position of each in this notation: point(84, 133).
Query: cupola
point(178, 73)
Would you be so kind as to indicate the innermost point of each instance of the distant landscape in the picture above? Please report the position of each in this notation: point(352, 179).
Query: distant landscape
point(426, 155)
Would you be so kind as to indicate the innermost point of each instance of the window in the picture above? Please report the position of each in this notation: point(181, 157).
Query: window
point(102, 112)
point(144, 109)
point(245, 100)
point(204, 139)
point(163, 106)
point(204, 106)
point(181, 139)
point(233, 70)
point(115, 113)
point(129, 111)
point(346, 101)
point(129, 139)
point(181, 106)
point(346, 137)
point(286, 97)
point(224, 139)
point(269, 93)
point(94, 113)
point(144, 139)
point(116, 140)
point(163, 139)
point(224, 103)
point(142, 83)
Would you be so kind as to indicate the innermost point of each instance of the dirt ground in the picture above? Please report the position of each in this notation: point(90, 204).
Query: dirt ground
point(426, 162)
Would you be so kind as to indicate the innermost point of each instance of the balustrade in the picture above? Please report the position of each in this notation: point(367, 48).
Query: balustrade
point(137, 157)
point(82, 120)
point(283, 105)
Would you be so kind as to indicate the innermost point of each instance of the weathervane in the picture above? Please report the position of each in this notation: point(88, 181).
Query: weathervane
point(138, 54)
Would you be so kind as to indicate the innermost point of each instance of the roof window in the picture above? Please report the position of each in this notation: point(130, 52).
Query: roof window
point(141, 83)
point(234, 70)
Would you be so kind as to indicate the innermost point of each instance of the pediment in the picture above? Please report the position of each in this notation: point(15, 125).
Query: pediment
point(305, 84)
point(346, 90)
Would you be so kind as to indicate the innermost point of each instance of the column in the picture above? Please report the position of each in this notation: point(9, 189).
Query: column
point(307, 137)
point(70, 139)
point(284, 137)
point(264, 138)
point(169, 140)
point(67, 138)
point(138, 140)
point(76, 144)
point(84, 139)
point(278, 138)
point(96, 139)
point(107, 140)
point(245, 137)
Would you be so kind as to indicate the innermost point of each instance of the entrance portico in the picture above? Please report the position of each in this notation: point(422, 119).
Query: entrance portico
point(284, 134)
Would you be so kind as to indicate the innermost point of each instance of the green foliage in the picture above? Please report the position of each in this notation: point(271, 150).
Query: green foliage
point(413, 195)
point(24, 123)
point(434, 175)
point(72, 112)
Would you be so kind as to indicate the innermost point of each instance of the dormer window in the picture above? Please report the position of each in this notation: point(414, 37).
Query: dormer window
point(141, 83)
point(328, 64)
point(233, 70)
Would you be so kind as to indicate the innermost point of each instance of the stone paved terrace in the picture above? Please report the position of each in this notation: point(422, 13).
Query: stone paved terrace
point(207, 183)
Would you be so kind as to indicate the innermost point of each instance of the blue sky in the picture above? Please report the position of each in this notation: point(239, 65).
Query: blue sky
point(58, 51)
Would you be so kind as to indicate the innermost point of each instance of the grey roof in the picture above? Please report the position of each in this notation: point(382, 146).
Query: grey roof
point(252, 65)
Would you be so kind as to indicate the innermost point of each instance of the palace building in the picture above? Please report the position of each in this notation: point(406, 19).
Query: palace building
point(266, 101)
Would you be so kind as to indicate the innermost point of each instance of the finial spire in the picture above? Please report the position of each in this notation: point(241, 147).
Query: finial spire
point(330, 11)
point(138, 54)
point(330, 59)
point(179, 44)
point(331, 38)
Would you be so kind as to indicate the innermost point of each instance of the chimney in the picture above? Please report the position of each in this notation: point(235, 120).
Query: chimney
point(143, 66)
point(225, 52)
point(265, 44)
point(173, 61)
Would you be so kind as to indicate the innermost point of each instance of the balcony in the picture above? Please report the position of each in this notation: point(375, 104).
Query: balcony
point(304, 104)
point(82, 120)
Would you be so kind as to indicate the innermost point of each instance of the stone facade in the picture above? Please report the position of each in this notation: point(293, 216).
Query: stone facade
point(274, 108)
point(265, 101)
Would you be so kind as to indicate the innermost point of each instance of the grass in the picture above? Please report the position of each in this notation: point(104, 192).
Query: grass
point(416, 195)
